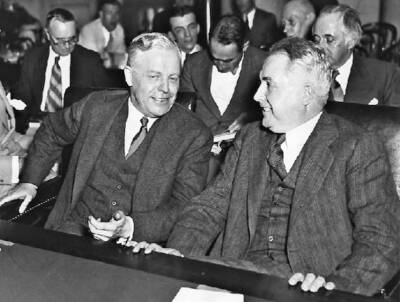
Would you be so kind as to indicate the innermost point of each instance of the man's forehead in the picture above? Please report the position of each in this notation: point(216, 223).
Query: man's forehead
point(61, 27)
point(148, 59)
point(330, 22)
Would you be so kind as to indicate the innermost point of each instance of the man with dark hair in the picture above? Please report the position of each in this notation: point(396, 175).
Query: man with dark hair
point(106, 36)
point(225, 77)
point(262, 26)
point(356, 79)
point(137, 157)
point(184, 30)
point(305, 195)
point(48, 70)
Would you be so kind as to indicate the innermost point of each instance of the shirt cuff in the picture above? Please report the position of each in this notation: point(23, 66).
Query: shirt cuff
point(131, 227)
point(14, 169)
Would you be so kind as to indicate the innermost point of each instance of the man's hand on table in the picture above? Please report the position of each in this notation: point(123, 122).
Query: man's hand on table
point(119, 226)
point(152, 247)
point(25, 191)
point(310, 282)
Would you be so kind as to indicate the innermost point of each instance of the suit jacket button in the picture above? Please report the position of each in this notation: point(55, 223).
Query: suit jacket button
point(114, 203)
point(270, 238)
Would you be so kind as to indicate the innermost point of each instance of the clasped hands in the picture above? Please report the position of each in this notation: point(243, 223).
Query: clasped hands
point(309, 282)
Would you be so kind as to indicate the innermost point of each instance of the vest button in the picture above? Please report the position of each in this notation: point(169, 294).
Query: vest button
point(280, 189)
point(119, 187)
point(270, 238)
point(114, 203)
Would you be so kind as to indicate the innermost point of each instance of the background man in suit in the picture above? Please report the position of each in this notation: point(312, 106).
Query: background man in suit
point(106, 36)
point(48, 70)
point(263, 30)
point(297, 18)
point(184, 29)
point(356, 79)
point(137, 158)
point(309, 196)
point(224, 78)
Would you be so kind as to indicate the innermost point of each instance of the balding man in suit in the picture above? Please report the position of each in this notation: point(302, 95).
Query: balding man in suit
point(356, 79)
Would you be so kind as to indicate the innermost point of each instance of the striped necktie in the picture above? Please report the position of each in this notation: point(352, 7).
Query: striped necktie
point(54, 97)
point(139, 137)
point(336, 89)
point(275, 158)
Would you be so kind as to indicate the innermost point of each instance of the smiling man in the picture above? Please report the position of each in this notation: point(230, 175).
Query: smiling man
point(305, 195)
point(138, 157)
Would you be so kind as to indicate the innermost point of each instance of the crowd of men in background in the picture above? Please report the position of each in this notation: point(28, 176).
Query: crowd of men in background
point(302, 195)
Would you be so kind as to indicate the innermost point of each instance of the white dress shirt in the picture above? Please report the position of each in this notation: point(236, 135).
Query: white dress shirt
point(250, 17)
point(223, 86)
point(344, 73)
point(295, 140)
point(65, 64)
point(133, 125)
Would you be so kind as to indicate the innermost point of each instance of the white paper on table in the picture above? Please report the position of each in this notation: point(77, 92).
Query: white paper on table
point(186, 294)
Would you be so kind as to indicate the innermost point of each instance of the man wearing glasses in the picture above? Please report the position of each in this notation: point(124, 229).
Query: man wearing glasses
point(50, 69)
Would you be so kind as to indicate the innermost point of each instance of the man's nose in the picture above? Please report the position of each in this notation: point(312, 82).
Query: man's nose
point(261, 93)
point(164, 86)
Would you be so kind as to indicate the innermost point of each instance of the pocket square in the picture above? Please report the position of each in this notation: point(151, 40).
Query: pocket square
point(374, 101)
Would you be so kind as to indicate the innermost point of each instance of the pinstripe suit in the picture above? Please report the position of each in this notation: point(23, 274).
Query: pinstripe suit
point(345, 211)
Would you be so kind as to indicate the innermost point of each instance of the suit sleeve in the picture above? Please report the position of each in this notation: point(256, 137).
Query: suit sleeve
point(374, 209)
point(189, 181)
point(204, 218)
point(57, 130)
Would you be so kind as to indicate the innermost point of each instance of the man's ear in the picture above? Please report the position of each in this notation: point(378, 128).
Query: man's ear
point(46, 32)
point(171, 36)
point(128, 76)
point(310, 18)
point(198, 28)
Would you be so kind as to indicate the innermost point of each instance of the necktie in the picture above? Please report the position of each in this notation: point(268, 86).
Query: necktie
point(109, 45)
point(336, 89)
point(246, 21)
point(275, 158)
point(139, 137)
point(54, 96)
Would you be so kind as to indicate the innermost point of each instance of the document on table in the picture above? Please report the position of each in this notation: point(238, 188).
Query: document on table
point(201, 295)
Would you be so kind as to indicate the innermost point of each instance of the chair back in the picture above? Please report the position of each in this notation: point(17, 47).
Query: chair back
point(377, 37)
point(383, 120)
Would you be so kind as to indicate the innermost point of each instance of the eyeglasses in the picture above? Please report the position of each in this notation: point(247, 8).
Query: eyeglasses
point(64, 41)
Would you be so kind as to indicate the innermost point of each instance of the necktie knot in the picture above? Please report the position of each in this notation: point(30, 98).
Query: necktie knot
point(280, 139)
point(275, 158)
point(57, 60)
point(144, 121)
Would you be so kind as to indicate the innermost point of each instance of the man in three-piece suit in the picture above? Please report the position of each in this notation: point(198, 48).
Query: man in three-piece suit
point(225, 77)
point(359, 79)
point(137, 158)
point(305, 195)
point(77, 66)
point(262, 26)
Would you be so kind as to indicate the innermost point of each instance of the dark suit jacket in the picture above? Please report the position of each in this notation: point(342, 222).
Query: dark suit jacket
point(369, 79)
point(86, 71)
point(344, 217)
point(196, 77)
point(174, 170)
point(265, 31)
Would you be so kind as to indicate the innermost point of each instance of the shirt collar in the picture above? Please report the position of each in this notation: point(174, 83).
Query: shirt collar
point(250, 17)
point(53, 55)
point(133, 112)
point(344, 73)
point(297, 137)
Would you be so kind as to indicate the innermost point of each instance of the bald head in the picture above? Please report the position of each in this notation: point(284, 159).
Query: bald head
point(298, 17)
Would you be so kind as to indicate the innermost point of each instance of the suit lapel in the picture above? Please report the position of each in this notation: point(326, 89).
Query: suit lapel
point(98, 130)
point(40, 71)
point(258, 172)
point(357, 91)
point(316, 163)
point(164, 135)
